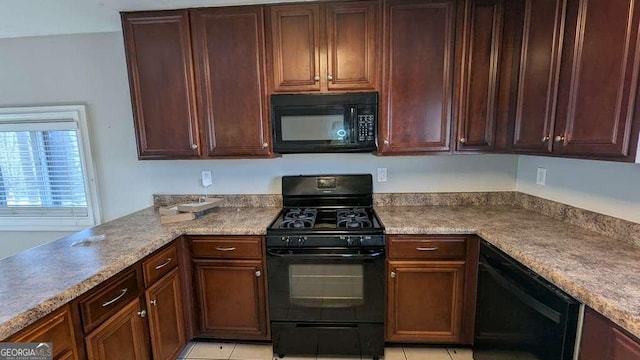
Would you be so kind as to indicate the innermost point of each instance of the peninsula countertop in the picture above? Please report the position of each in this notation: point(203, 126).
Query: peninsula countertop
point(37, 281)
point(602, 272)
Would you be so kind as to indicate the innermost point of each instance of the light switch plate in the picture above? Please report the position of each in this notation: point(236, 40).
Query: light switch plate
point(541, 176)
point(382, 175)
point(206, 178)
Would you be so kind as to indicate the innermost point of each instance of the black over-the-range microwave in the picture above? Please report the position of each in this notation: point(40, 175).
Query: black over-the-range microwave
point(310, 123)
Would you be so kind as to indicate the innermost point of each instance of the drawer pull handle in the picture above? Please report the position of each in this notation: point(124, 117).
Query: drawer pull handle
point(154, 302)
point(142, 313)
point(163, 264)
point(393, 274)
point(427, 248)
point(225, 249)
point(122, 292)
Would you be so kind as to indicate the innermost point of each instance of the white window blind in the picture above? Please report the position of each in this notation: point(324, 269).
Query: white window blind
point(46, 174)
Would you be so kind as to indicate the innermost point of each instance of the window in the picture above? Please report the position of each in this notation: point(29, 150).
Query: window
point(47, 179)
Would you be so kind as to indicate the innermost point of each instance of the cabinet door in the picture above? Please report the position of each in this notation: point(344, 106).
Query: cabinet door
point(538, 80)
point(425, 301)
point(158, 47)
point(481, 37)
point(56, 328)
point(231, 299)
point(418, 50)
point(624, 347)
point(598, 78)
point(166, 318)
point(601, 339)
point(120, 337)
point(351, 45)
point(295, 57)
point(230, 67)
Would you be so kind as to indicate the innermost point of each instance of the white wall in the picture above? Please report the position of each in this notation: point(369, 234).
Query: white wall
point(602, 186)
point(90, 69)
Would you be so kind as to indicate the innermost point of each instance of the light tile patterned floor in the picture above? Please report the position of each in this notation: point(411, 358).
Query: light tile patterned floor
point(225, 351)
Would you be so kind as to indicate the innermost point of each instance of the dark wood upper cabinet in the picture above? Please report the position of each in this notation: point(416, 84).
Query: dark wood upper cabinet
point(416, 99)
point(324, 47)
point(230, 67)
point(351, 45)
point(598, 80)
point(158, 48)
point(538, 81)
point(479, 48)
point(295, 47)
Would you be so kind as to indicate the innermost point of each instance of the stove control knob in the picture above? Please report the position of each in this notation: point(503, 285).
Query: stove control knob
point(301, 240)
point(350, 241)
point(285, 240)
point(361, 240)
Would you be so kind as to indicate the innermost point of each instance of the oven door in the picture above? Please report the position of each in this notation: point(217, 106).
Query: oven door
point(326, 285)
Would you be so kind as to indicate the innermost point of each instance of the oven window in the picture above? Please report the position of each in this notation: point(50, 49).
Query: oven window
point(327, 286)
point(313, 127)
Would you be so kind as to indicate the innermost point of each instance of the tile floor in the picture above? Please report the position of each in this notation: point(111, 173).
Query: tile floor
point(219, 351)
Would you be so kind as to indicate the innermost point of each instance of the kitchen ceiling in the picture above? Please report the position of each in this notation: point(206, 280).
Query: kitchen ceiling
point(20, 18)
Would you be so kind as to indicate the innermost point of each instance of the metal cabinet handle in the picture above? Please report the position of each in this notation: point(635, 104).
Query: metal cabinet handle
point(427, 248)
point(258, 273)
point(329, 77)
point(154, 302)
point(393, 274)
point(316, 78)
point(142, 313)
point(122, 292)
point(194, 146)
point(463, 140)
point(225, 249)
point(545, 138)
point(265, 145)
point(163, 264)
point(558, 138)
point(386, 142)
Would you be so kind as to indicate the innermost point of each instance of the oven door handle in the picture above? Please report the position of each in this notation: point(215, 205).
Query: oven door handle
point(522, 295)
point(327, 256)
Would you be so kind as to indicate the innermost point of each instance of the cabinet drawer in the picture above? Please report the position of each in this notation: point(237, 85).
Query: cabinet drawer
point(420, 247)
point(159, 264)
point(227, 247)
point(107, 300)
point(55, 328)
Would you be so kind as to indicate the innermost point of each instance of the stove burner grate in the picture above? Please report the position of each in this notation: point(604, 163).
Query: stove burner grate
point(299, 218)
point(353, 218)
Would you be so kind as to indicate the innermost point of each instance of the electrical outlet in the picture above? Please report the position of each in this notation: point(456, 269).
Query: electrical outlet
point(382, 175)
point(206, 178)
point(541, 176)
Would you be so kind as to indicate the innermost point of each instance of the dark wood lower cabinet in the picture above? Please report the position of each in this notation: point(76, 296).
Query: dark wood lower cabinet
point(425, 301)
point(602, 339)
point(231, 299)
point(121, 337)
point(56, 328)
point(166, 319)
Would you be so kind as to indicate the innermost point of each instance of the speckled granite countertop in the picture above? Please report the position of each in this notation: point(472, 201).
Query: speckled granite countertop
point(599, 271)
point(602, 272)
point(37, 281)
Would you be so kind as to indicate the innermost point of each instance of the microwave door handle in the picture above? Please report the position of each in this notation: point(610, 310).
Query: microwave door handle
point(353, 123)
point(526, 298)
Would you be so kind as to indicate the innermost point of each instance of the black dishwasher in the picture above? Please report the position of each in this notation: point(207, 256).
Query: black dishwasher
point(521, 315)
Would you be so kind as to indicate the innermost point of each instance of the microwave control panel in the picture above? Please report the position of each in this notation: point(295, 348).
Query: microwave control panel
point(366, 127)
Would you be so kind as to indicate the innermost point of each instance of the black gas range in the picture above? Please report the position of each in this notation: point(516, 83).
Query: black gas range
point(326, 266)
